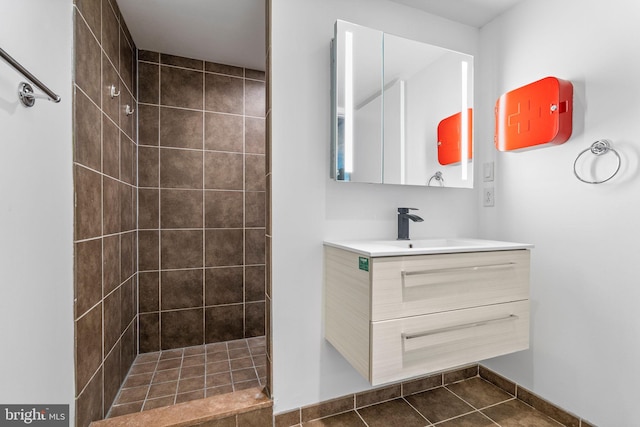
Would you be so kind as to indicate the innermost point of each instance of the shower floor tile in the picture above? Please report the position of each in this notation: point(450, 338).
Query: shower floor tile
point(164, 378)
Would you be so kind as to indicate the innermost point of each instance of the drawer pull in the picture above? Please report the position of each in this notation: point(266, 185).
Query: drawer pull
point(458, 327)
point(471, 268)
point(406, 275)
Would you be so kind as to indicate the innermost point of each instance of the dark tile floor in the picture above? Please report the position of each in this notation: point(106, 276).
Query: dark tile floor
point(168, 377)
point(470, 403)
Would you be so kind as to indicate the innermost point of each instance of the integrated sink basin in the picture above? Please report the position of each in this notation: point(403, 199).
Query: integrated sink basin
point(380, 248)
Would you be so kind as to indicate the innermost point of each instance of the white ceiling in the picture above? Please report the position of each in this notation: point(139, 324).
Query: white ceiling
point(232, 32)
point(229, 32)
point(475, 13)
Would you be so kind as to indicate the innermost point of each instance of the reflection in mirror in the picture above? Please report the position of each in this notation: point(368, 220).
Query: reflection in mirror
point(358, 85)
point(399, 120)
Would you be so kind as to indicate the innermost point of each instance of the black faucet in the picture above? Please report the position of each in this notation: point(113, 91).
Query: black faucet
point(403, 222)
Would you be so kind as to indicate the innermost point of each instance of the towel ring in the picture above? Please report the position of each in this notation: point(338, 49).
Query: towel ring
point(438, 177)
point(598, 148)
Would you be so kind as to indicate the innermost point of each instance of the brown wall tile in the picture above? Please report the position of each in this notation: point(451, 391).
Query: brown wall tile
point(421, 384)
point(459, 374)
point(90, 11)
point(87, 61)
point(111, 263)
point(88, 271)
point(223, 94)
point(127, 55)
point(224, 323)
point(179, 202)
point(223, 285)
point(180, 61)
point(127, 152)
point(112, 319)
point(88, 207)
point(223, 209)
point(330, 407)
point(223, 247)
point(148, 208)
point(255, 173)
point(548, 408)
point(254, 319)
point(88, 346)
point(181, 128)
point(497, 380)
point(181, 289)
point(254, 246)
point(180, 87)
point(255, 205)
point(148, 166)
point(223, 132)
point(254, 283)
point(87, 135)
point(223, 171)
point(89, 402)
point(254, 74)
point(181, 328)
point(128, 349)
point(287, 419)
point(112, 375)
point(105, 209)
point(128, 303)
point(378, 395)
point(110, 33)
point(149, 292)
point(224, 69)
point(148, 124)
point(149, 83)
point(150, 56)
point(148, 251)
point(181, 249)
point(180, 168)
point(254, 135)
point(127, 249)
point(254, 102)
point(111, 202)
point(111, 148)
point(181, 208)
point(149, 332)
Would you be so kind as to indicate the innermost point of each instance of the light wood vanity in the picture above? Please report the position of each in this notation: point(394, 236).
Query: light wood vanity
point(399, 314)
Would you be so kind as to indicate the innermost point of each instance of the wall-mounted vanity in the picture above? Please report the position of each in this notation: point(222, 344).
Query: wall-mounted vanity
point(402, 110)
point(399, 309)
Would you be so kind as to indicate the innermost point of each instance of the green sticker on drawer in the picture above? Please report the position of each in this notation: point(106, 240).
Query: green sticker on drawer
point(363, 263)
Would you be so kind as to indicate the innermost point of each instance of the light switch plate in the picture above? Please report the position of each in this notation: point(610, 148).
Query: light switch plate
point(487, 172)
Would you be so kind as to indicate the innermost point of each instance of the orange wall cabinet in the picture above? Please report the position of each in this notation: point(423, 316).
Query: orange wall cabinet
point(535, 114)
point(449, 138)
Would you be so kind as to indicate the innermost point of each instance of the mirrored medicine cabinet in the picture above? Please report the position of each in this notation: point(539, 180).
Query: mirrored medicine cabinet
point(402, 110)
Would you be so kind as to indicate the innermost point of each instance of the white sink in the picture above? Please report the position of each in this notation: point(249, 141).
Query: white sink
point(379, 248)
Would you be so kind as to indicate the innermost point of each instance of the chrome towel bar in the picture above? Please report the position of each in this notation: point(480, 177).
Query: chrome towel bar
point(25, 90)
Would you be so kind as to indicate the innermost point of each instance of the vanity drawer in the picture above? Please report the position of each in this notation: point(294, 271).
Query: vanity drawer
point(411, 346)
point(416, 285)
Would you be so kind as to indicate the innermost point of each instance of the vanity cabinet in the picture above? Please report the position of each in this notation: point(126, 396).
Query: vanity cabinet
point(395, 317)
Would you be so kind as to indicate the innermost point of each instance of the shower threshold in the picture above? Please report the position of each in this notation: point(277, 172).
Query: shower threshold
point(169, 377)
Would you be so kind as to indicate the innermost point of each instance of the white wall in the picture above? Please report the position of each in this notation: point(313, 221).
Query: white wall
point(36, 209)
point(308, 207)
point(585, 336)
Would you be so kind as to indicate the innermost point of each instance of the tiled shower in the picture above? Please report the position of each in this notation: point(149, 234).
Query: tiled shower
point(170, 204)
point(201, 202)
